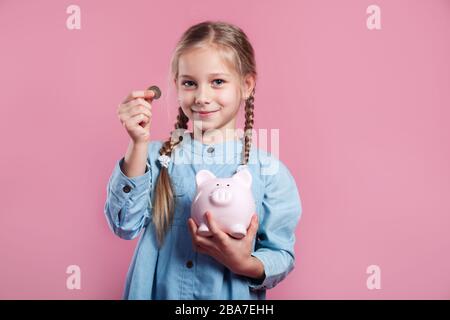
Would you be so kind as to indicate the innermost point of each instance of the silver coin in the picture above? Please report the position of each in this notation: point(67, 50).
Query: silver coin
point(156, 90)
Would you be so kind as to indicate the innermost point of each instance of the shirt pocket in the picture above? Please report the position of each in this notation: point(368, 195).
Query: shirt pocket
point(182, 202)
point(178, 186)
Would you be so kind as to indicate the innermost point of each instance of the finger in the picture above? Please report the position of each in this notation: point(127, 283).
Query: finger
point(125, 111)
point(139, 109)
point(145, 94)
point(253, 223)
point(136, 103)
point(201, 250)
point(196, 238)
point(137, 120)
point(140, 101)
point(253, 227)
point(192, 226)
point(138, 126)
point(204, 242)
point(214, 228)
point(132, 111)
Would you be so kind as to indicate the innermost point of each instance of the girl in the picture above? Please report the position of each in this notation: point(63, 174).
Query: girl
point(152, 187)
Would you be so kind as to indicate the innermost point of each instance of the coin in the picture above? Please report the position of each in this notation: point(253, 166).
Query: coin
point(156, 90)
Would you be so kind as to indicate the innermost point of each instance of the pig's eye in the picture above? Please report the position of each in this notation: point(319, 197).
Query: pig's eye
point(217, 184)
point(228, 185)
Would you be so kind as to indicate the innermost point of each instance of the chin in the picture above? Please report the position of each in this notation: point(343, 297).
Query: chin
point(208, 126)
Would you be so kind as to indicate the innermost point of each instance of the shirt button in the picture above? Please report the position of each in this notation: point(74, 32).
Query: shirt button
point(210, 149)
point(189, 264)
point(126, 189)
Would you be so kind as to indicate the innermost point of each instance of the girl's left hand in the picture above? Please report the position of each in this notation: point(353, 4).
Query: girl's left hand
point(231, 252)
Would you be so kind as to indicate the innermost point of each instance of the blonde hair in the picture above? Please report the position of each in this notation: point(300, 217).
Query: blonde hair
point(233, 44)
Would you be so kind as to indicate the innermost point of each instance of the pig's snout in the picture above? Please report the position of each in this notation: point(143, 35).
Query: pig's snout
point(221, 197)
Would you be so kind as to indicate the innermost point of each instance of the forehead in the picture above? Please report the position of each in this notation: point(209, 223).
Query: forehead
point(202, 62)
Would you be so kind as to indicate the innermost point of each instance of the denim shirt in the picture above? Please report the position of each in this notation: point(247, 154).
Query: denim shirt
point(176, 271)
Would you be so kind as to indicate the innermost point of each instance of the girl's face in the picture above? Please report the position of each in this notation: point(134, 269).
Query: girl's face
point(208, 91)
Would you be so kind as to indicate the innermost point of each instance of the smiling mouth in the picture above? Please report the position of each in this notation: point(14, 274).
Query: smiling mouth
point(205, 112)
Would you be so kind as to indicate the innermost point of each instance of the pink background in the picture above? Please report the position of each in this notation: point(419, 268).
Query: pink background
point(364, 128)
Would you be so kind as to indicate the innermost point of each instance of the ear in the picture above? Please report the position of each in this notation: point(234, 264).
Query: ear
point(249, 84)
point(202, 176)
point(244, 176)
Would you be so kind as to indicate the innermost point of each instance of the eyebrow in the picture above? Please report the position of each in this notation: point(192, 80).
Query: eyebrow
point(211, 74)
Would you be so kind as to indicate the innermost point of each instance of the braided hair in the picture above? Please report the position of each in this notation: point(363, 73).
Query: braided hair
point(164, 189)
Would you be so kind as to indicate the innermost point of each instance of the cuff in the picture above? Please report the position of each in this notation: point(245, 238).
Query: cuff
point(258, 284)
point(123, 187)
point(120, 178)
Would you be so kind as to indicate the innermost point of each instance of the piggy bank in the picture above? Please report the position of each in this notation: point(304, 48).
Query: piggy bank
point(230, 201)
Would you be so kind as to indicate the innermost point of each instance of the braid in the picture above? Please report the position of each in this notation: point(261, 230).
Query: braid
point(182, 121)
point(164, 201)
point(249, 106)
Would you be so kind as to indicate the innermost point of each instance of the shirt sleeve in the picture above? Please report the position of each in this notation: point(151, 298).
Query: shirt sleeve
point(128, 202)
point(275, 241)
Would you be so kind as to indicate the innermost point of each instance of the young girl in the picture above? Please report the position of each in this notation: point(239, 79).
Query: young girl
point(152, 187)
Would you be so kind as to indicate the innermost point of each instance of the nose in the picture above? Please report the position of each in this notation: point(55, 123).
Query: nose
point(202, 96)
point(221, 197)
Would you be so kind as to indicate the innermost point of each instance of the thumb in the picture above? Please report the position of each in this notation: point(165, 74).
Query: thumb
point(253, 225)
point(149, 94)
point(148, 124)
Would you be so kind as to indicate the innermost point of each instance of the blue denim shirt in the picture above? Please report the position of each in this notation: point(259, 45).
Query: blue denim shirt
point(177, 272)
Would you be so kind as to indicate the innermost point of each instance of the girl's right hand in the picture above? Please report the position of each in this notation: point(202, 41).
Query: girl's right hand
point(135, 115)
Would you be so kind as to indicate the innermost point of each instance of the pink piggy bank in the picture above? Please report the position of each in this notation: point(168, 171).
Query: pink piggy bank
point(230, 201)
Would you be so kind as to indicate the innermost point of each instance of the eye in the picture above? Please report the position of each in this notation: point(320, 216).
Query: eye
point(188, 83)
point(185, 82)
point(219, 80)
point(217, 184)
point(228, 185)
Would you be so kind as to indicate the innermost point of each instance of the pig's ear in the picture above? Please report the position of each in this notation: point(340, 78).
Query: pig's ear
point(203, 176)
point(244, 176)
